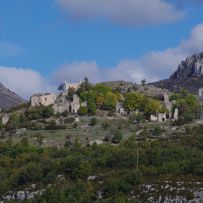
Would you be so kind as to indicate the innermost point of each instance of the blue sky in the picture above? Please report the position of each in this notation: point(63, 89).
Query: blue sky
point(48, 41)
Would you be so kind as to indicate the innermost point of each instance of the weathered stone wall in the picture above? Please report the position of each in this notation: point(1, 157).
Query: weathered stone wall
point(42, 99)
point(63, 103)
point(5, 119)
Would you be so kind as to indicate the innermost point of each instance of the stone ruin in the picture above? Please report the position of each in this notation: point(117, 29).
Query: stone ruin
point(159, 117)
point(171, 114)
point(44, 99)
point(64, 103)
point(61, 102)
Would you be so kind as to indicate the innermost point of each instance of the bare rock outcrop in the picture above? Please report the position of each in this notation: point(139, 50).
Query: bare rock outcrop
point(189, 75)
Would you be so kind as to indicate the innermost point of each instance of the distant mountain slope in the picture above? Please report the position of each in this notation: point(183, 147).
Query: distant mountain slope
point(8, 98)
point(189, 75)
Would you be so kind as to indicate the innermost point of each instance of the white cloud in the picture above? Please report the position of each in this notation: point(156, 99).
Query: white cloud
point(152, 66)
point(125, 70)
point(195, 42)
point(78, 70)
point(126, 12)
point(24, 82)
point(164, 63)
point(188, 3)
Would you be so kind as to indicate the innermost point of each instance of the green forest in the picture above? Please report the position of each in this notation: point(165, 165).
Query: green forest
point(117, 169)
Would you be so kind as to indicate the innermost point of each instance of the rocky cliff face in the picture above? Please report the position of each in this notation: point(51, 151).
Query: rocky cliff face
point(8, 98)
point(189, 75)
point(191, 67)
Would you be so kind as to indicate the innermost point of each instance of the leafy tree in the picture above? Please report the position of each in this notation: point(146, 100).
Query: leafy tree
point(110, 100)
point(102, 89)
point(152, 106)
point(189, 107)
point(92, 108)
point(14, 121)
point(61, 87)
point(143, 82)
point(100, 100)
point(84, 86)
point(133, 101)
point(83, 111)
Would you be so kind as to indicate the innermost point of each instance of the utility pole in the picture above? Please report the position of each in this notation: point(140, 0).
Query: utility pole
point(137, 154)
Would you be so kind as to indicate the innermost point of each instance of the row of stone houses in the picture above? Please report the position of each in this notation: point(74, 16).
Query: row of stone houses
point(62, 102)
point(160, 117)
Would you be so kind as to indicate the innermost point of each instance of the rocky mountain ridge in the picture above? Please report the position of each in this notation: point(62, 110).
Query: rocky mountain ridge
point(9, 99)
point(189, 75)
point(191, 67)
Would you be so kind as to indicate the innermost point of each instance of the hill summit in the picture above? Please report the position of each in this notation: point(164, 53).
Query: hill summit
point(8, 99)
point(189, 75)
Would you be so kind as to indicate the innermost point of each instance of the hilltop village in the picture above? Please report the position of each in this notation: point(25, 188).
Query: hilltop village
point(115, 138)
point(144, 103)
point(69, 100)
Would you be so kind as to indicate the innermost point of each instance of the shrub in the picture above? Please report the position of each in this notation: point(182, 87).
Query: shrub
point(69, 120)
point(105, 125)
point(53, 126)
point(13, 122)
point(75, 125)
point(93, 122)
point(156, 131)
point(117, 138)
point(92, 108)
point(40, 139)
point(83, 111)
point(65, 113)
point(47, 111)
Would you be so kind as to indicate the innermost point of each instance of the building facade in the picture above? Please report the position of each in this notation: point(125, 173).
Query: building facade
point(64, 103)
point(45, 99)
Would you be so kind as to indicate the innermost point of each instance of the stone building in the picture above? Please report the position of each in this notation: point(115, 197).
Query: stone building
point(201, 102)
point(61, 102)
point(45, 99)
point(119, 108)
point(168, 104)
point(176, 114)
point(201, 96)
point(160, 117)
point(64, 103)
